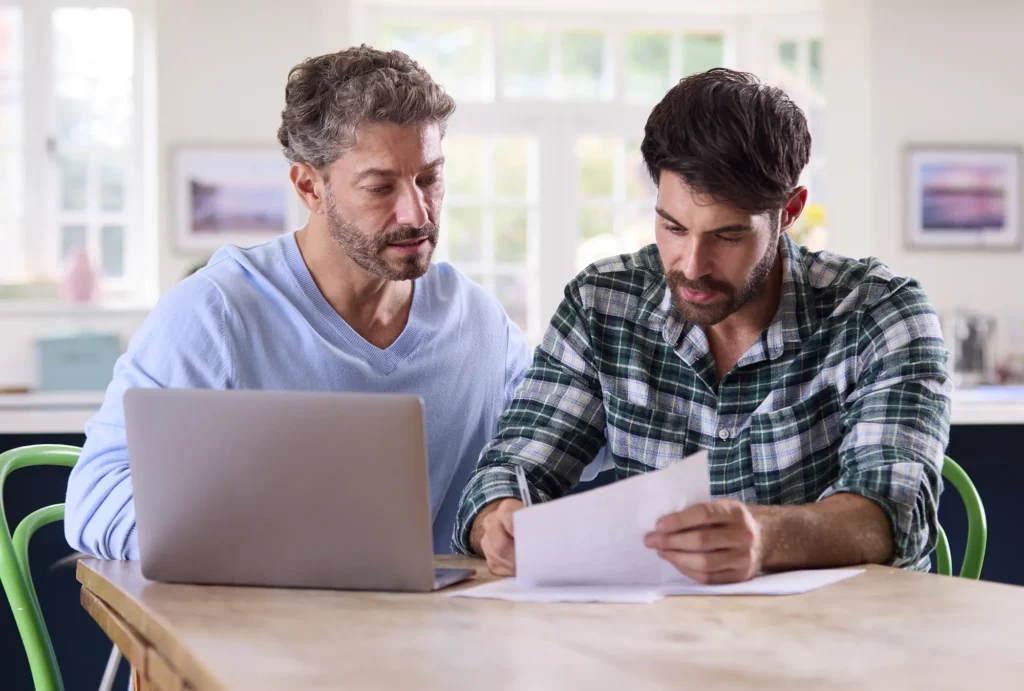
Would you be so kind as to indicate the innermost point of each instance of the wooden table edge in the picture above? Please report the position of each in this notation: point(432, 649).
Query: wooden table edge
point(141, 639)
point(161, 659)
point(137, 626)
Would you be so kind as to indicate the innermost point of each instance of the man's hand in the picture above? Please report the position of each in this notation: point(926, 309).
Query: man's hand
point(718, 542)
point(492, 536)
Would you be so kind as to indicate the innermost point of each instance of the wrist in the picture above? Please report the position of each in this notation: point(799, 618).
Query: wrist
point(476, 531)
point(777, 526)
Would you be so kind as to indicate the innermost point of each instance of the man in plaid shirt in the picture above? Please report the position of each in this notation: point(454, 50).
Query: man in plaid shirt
point(817, 383)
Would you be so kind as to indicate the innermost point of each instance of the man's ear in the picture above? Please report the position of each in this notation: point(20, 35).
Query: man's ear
point(310, 184)
point(794, 207)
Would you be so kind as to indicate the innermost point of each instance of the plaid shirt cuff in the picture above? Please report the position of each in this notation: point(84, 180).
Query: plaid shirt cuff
point(490, 485)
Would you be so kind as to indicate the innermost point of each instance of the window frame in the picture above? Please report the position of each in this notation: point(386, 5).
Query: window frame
point(749, 44)
point(41, 174)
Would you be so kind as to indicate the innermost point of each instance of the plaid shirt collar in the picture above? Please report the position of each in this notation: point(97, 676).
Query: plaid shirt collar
point(792, 324)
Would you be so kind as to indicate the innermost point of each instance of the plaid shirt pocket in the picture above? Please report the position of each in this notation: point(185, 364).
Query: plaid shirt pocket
point(642, 439)
point(795, 450)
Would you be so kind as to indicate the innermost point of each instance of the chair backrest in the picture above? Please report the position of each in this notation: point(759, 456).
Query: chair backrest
point(977, 525)
point(14, 569)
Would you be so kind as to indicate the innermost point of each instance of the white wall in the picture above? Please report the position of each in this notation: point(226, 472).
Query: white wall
point(221, 70)
point(924, 71)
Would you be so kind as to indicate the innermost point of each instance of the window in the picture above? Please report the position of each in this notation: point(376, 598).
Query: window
point(70, 124)
point(797, 69)
point(12, 150)
point(456, 55)
point(657, 60)
point(489, 221)
point(544, 173)
point(541, 62)
point(617, 198)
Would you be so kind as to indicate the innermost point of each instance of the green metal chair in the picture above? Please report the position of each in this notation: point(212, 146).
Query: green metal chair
point(977, 526)
point(14, 567)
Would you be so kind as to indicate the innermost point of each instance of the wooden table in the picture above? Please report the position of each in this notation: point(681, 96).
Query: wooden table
point(882, 629)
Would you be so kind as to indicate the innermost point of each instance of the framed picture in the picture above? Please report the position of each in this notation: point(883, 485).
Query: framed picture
point(232, 195)
point(963, 197)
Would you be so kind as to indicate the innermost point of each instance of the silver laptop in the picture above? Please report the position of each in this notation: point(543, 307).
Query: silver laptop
point(283, 489)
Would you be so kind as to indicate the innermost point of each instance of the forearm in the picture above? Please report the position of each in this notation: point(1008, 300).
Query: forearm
point(99, 507)
point(841, 530)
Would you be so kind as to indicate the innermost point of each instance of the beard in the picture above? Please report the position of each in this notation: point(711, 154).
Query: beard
point(709, 314)
point(367, 250)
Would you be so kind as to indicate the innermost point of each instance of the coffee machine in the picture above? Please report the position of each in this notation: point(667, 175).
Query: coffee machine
point(969, 337)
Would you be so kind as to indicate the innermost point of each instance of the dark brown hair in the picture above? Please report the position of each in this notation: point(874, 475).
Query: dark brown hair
point(731, 137)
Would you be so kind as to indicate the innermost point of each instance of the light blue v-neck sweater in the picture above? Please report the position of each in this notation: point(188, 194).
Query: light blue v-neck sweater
point(254, 319)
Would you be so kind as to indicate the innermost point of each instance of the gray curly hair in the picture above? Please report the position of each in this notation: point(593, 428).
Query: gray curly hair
point(329, 96)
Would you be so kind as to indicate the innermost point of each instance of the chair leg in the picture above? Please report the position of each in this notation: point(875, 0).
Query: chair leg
point(110, 673)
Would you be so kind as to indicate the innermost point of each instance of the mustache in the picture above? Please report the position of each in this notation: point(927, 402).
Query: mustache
point(677, 280)
point(429, 231)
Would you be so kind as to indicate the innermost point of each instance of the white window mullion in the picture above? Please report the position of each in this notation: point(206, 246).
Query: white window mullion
point(556, 80)
point(675, 56)
point(39, 241)
point(613, 87)
point(492, 58)
point(558, 203)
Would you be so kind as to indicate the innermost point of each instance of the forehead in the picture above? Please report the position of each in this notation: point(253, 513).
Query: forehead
point(693, 209)
point(381, 139)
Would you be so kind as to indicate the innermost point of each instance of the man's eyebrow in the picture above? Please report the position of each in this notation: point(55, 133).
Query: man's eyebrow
point(731, 228)
point(387, 173)
point(664, 214)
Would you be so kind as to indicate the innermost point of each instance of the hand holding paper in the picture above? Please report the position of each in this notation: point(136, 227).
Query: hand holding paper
point(591, 546)
point(597, 538)
point(716, 542)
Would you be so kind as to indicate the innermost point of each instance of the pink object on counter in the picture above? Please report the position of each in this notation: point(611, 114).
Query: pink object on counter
point(79, 283)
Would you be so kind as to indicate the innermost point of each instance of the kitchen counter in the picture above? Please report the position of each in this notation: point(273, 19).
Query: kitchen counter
point(66, 413)
point(47, 413)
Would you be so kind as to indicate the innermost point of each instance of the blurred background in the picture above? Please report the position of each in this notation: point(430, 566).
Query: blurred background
point(137, 136)
point(104, 111)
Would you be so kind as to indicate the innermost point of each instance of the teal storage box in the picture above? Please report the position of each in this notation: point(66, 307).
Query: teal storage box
point(76, 362)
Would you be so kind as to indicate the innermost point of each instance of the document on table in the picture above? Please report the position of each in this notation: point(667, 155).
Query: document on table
point(589, 547)
point(787, 583)
point(597, 537)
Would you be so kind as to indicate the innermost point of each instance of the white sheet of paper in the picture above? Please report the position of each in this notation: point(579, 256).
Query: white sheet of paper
point(785, 583)
point(596, 538)
point(788, 583)
point(510, 589)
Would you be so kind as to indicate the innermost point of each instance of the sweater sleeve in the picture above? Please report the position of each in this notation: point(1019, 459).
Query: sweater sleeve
point(181, 344)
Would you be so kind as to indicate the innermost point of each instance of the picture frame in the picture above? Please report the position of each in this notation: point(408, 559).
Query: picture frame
point(237, 195)
point(963, 197)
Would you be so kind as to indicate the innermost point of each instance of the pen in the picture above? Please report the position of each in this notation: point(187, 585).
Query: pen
point(524, 489)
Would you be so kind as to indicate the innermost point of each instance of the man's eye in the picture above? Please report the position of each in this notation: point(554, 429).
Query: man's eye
point(731, 239)
point(427, 182)
point(384, 189)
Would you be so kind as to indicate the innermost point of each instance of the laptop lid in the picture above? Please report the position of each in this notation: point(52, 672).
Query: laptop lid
point(277, 488)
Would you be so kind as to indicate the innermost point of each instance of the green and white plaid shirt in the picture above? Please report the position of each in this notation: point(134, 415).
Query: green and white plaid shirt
point(845, 391)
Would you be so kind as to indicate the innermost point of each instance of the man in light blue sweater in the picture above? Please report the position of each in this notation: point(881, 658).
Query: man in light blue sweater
point(351, 302)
